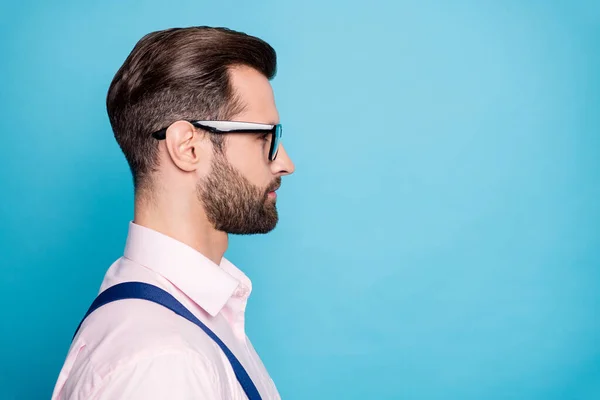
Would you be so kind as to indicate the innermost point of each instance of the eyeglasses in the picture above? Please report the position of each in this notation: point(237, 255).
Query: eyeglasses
point(224, 127)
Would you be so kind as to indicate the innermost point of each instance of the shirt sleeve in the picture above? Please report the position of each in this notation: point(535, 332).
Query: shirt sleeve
point(173, 375)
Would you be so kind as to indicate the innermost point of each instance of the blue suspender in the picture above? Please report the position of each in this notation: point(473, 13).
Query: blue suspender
point(145, 291)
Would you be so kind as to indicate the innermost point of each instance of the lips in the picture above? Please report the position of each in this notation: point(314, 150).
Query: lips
point(276, 185)
point(271, 193)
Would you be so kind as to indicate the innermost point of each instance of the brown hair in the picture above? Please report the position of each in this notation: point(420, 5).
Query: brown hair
point(175, 74)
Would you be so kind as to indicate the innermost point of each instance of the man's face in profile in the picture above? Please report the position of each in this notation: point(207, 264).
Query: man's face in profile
point(238, 194)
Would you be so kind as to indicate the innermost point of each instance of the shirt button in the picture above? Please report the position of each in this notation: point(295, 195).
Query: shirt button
point(241, 291)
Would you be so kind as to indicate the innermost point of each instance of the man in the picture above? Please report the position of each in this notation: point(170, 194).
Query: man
point(194, 113)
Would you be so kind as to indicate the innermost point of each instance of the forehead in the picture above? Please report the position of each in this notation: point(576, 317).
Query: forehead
point(256, 94)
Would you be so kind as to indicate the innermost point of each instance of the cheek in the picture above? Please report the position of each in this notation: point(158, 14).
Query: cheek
point(248, 159)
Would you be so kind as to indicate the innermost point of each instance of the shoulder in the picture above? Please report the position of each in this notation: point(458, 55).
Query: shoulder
point(134, 348)
point(133, 327)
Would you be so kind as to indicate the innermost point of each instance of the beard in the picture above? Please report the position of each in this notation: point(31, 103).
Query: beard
point(233, 204)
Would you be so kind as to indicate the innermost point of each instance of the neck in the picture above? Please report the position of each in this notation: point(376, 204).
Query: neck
point(183, 222)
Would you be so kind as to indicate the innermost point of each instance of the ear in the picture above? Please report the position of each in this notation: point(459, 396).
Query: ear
point(186, 147)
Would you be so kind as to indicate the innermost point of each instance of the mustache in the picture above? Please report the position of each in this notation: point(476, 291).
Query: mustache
point(274, 186)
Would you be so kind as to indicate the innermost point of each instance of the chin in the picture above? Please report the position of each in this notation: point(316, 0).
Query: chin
point(254, 230)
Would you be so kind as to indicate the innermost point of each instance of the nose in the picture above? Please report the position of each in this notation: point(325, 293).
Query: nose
point(283, 164)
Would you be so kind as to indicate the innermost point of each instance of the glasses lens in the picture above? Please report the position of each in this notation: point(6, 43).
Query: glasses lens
point(275, 142)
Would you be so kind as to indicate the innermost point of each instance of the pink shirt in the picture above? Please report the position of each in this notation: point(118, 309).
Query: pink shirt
point(134, 349)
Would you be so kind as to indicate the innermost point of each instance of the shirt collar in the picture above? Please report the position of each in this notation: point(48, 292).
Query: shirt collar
point(206, 283)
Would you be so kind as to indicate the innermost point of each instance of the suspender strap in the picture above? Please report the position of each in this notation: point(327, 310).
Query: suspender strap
point(145, 291)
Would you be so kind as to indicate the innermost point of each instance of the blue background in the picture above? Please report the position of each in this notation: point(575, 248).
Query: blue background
point(439, 240)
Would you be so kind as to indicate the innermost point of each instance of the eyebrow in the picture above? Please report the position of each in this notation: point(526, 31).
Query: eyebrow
point(269, 122)
point(241, 117)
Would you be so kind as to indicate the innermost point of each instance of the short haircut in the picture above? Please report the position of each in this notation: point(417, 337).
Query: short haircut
point(178, 74)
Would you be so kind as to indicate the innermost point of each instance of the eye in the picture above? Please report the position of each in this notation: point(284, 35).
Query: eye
point(265, 136)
